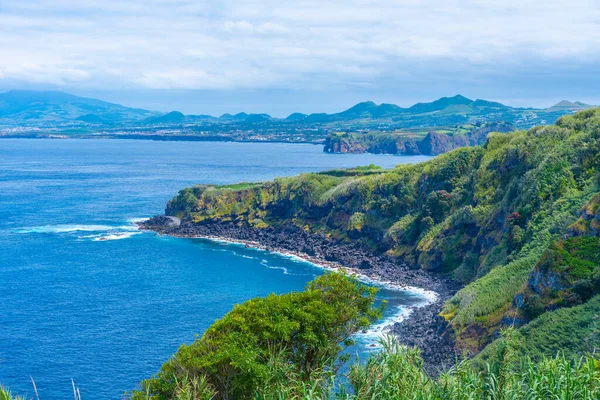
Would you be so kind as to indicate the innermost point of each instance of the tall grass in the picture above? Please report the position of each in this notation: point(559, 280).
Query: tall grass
point(6, 393)
point(397, 373)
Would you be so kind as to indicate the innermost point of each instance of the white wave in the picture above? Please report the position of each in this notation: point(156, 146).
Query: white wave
point(99, 232)
point(372, 336)
point(115, 236)
point(66, 229)
point(136, 220)
point(428, 295)
point(223, 241)
point(128, 228)
point(284, 269)
point(89, 236)
point(265, 263)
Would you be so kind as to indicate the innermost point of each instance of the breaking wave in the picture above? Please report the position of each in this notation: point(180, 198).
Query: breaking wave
point(95, 232)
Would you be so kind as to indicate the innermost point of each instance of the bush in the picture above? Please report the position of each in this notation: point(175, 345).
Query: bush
point(266, 342)
point(533, 306)
point(584, 288)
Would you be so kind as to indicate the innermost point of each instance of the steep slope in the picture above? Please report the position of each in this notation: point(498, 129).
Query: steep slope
point(433, 143)
point(484, 215)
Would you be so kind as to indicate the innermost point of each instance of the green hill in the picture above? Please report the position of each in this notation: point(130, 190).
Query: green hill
point(413, 142)
point(35, 107)
point(501, 219)
point(45, 109)
point(566, 105)
point(174, 117)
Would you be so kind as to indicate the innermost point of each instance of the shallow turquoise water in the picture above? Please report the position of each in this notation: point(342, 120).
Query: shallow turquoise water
point(86, 296)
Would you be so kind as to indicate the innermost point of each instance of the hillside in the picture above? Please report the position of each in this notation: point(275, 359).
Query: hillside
point(50, 108)
point(515, 221)
point(40, 109)
point(447, 111)
point(566, 105)
point(413, 143)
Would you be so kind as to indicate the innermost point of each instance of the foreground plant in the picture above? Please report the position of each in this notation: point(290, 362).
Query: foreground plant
point(396, 372)
point(280, 341)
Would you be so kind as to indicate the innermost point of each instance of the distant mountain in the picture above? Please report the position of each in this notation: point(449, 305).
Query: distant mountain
point(566, 105)
point(441, 104)
point(257, 118)
point(60, 110)
point(369, 109)
point(27, 107)
point(447, 111)
point(319, 118)
point(295, 117)
point(237, 117)
point(174, 117)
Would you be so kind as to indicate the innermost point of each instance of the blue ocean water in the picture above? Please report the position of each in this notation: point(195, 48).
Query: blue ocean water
point(85, 296)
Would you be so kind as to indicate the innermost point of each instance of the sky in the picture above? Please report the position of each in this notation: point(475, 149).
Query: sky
point(280, 56)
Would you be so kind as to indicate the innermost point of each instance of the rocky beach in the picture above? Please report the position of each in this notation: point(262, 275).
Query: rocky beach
point(423, 327)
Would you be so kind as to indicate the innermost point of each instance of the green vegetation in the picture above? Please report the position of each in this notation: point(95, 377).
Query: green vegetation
point(433, 141)
point(397, 373)
point(268, 342)
point(288, 347)
point(494, 217)
point(6, 394)
point(576, 329)
point(275, 348)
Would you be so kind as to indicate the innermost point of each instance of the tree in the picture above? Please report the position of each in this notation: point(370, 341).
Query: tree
point(271, 340)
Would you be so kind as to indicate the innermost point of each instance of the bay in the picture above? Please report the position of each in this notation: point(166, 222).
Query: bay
point(86, 296)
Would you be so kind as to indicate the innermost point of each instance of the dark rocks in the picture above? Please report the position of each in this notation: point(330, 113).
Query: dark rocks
point(160, 223)
point(540, 281)
point(432, 144)
point(423, 328)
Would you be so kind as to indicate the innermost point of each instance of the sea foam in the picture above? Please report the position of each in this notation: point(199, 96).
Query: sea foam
point(98, 232)
point(370, 338)
point(115, 236)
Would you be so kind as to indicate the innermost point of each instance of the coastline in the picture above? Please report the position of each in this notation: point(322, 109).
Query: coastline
point(429, 295)
point(156, 138)
point(424, 328)
point(370, 338)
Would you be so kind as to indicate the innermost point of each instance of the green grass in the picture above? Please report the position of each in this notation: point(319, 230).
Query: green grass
point(571, 332)
point(485, 214)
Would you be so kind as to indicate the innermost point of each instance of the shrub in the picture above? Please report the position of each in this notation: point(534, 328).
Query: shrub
point(268, 341)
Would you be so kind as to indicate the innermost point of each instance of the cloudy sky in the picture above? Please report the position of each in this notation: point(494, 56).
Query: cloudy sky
point(279, 56)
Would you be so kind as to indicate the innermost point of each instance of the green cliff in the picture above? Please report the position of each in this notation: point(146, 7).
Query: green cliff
point(502, 219)
point(430, 143)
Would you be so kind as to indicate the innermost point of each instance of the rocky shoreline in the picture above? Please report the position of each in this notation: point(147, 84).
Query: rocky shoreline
point(423, 327)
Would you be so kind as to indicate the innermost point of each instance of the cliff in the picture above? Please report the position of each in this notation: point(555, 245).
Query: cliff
point(433, 143)
point(485, 216)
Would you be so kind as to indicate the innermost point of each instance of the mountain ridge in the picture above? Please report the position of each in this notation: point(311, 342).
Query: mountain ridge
point(30, 107)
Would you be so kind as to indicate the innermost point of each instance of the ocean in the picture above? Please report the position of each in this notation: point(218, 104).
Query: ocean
point(86, 296)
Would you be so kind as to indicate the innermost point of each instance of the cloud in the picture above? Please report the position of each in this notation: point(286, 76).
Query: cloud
point(284, 44)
